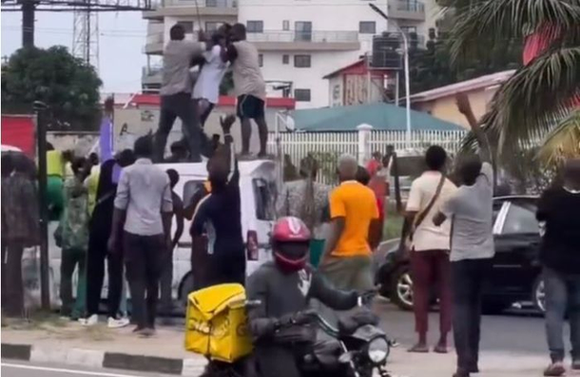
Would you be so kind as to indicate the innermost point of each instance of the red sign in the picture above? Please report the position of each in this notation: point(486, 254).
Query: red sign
point(18, 131)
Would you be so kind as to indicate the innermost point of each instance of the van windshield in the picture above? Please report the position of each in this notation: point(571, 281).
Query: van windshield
point(265, 197)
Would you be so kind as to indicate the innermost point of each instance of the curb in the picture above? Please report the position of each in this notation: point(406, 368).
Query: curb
point(100, 359)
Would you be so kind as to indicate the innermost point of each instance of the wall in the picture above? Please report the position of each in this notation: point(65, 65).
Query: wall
point(445, 108)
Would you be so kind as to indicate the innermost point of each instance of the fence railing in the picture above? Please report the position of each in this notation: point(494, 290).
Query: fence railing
point(326, 147)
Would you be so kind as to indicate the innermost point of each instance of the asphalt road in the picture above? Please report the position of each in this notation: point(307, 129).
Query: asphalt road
point(515, 331)
point(10, 369)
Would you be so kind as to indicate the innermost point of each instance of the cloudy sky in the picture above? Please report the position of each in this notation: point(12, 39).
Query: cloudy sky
point(122, 36)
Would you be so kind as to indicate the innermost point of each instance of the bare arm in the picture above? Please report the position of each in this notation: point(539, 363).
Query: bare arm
point(439, 218)
point(465, 108)
point(229, 54)
point(375, 233)
point(336, 228)
point(179, 219)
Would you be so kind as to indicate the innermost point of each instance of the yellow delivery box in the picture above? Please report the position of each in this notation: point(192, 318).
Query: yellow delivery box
point(216, 323)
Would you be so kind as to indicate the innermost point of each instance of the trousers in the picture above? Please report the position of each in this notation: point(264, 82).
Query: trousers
point(143, 261)
point(179, 105)
point(70, 259)
point(468, 277)
point(562, 296)
point(13, 289)
point(428, 268)
point(96, 255)
point(166, 282)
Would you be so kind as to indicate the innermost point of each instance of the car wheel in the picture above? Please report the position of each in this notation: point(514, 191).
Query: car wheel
point(539, 294)
point(401, 291)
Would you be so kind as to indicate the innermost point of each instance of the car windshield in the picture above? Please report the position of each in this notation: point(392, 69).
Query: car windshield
point(521, 219)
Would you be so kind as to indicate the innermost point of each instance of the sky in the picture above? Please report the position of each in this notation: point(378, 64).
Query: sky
point(122, 37)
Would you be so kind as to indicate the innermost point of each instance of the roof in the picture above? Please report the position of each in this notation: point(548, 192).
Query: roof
point(463, 86)
point(342, 69)
point(381, 116)
point(358, 67)
point(154, 100)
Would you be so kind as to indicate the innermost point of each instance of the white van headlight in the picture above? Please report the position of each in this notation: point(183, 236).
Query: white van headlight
point(378, 350)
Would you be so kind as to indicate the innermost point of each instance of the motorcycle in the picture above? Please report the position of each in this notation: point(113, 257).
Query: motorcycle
point(356, 347)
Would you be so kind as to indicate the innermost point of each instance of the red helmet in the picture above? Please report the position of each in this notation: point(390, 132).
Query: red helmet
point(290, 243)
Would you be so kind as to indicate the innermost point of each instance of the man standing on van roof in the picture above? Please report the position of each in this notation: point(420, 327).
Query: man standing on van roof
point(354, 215)
point(249, 86)
point(218, 215)
point(175, 93)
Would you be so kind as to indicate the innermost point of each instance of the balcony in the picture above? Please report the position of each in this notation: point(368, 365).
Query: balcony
point(407, 10)
point(305, 40)
point(174, 8)
point(151, 76)
point(154, 44)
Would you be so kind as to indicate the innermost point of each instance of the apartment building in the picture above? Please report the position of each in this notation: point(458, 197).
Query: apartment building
point(300, 41)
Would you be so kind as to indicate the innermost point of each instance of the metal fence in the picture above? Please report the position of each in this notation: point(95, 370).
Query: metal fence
point(326, 147)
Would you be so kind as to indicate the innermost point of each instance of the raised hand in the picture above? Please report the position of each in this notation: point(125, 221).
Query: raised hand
point(227, 123)
point(463, 104)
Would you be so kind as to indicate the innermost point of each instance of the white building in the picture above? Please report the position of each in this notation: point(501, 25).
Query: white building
point(300, 41)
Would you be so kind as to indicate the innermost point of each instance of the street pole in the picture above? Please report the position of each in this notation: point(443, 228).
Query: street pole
point(406, 66)
point(28, 7)
point(39, 109)
point(397, 90)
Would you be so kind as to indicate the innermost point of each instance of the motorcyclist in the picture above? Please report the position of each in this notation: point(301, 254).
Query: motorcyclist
point(281, 322)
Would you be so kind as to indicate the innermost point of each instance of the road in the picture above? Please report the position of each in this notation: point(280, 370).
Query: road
point(15, 369)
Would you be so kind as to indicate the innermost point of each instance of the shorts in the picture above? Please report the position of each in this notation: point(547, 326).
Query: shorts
point(250, 107)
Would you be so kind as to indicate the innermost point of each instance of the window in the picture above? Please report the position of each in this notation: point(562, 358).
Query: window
point(303, 31)
point(302, 61)
point(261, 60)
point(212, 26)
point(367, 27)
point(409, 29)
point(521, 218)
point(302, 95)
point(264, 194)
point(187, 26)
point(285, 25)
point(255, 26)
point(285, 59)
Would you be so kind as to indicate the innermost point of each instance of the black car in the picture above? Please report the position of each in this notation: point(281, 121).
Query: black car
point(515, 276)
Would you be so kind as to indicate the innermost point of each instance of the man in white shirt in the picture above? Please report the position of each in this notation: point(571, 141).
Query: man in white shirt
point(430, 248)
point(175, 94)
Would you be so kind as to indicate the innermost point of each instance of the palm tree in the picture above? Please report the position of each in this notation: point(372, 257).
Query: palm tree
point(536, 103)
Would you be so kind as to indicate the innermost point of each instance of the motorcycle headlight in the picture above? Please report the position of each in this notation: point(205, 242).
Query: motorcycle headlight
point(378, 350)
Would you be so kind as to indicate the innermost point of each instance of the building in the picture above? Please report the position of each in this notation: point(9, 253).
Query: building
point(300, 41)
point(440, 102)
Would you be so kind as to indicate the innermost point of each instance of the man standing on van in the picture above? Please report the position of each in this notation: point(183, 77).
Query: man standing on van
point(354, 214)
point(430, 248)
point(143, 202)
point(249, 86)
point(175, 93)
point(218, 216)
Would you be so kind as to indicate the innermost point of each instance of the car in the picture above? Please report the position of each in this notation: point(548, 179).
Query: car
point(516, 272)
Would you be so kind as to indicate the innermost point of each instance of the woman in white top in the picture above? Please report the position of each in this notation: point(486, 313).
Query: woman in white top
point(206, 88)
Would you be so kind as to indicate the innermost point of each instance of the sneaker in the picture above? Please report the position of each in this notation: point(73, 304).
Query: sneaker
point(114, 323)
point(555, 369)
point(90, 321)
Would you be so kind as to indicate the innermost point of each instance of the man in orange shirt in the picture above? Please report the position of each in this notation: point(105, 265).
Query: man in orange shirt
point(354, 231)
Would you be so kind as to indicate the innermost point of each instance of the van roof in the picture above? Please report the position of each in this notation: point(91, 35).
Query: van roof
point(200, 168)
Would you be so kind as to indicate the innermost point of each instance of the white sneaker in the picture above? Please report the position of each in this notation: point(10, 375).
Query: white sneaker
point(118, 323)
point(91, 321)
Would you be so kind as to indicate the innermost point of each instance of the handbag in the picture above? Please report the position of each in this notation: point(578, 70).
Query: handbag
point(423, 214)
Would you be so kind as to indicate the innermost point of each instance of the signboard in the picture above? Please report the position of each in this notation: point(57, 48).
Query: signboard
point(19, 131)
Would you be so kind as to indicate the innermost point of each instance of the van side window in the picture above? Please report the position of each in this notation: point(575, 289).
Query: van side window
point(189, 190)
point(265, 196)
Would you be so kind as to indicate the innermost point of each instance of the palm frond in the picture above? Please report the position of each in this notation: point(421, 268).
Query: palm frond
point(504, 19)
point(563, 142)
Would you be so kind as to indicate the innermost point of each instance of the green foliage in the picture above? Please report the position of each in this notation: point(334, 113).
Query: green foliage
point(66, 84)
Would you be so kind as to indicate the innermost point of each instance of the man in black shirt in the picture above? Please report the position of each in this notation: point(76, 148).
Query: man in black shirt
point(559, 208)
point(218, 216)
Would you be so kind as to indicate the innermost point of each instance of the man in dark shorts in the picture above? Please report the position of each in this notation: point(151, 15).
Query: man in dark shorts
point(218, 215)
point(249, 86)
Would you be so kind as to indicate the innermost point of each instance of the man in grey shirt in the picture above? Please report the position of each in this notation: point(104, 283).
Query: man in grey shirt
point(143, 207)
point(472, 247)
point(176, 88)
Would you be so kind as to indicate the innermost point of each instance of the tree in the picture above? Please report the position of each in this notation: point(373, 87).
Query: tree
point(538, 100)
point(66, 84)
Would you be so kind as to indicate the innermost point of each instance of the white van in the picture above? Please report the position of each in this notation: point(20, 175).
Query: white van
point(257, 191)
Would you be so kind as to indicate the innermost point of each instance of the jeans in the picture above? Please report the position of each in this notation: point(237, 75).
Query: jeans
point(69, 261)
point(562, 296)
point(468, 277)
point(143, 262)
point(430, 267)
point(180, 106)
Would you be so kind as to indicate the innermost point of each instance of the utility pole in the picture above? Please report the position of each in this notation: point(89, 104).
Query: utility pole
point(40, 111)
point(28, 7)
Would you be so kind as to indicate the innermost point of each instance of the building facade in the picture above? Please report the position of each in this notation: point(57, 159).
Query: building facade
point(300, 41)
